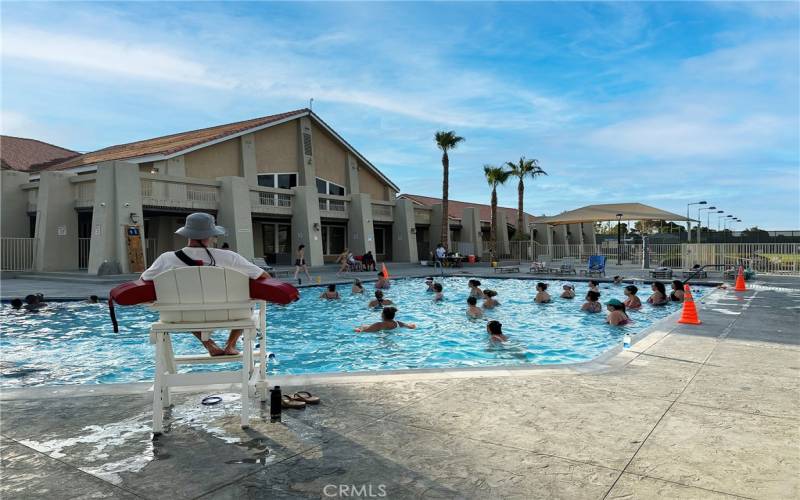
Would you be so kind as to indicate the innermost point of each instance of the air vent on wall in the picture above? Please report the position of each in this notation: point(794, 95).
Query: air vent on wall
point(307, 144)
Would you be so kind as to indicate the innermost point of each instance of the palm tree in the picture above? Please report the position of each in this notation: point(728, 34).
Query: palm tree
point(494, 176)
point(523, 168)
point(446, 141)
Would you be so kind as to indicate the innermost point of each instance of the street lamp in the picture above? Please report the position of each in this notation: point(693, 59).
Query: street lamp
point(619, 239)
point(689, 223)
point(699, 220)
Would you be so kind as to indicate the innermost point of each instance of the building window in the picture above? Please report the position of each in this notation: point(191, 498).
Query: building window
point(282, 181)
point(333, 239)
point(328, 187)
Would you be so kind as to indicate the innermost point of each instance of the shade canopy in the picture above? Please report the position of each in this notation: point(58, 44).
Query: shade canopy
point(608, 212)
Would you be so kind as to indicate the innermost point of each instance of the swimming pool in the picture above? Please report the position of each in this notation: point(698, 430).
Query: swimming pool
point(73, 343)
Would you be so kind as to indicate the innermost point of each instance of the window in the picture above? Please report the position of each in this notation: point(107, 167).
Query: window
point(282, 181)
point(333, 240)
point(328, 187)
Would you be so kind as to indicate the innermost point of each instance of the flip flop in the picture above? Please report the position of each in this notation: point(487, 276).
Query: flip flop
point(306, 397)
point(288, 402)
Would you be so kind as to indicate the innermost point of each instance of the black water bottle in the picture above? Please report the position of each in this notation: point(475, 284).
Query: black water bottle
point(275, 405)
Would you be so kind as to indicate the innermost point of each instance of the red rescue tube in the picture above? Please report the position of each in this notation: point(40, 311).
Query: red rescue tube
point(141, 292)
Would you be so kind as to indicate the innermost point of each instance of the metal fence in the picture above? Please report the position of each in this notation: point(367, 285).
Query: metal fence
point(84, 244)
point(768, 258)
point(17, 254)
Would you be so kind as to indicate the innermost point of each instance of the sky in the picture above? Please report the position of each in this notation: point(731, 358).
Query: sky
point(658, 103)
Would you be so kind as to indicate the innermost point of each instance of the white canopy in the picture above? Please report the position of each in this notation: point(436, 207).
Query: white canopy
point(608, 212)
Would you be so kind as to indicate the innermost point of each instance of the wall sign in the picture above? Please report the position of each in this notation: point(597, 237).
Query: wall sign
point(61, 230)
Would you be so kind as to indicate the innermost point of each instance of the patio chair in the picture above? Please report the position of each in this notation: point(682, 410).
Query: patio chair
point(567, 266)
point(262, 263)
point(204, 299)
point(596, 266)
point(539, 267)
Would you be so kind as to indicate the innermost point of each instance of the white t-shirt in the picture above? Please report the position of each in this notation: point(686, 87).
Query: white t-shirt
point(224, 258)
point(440, 252)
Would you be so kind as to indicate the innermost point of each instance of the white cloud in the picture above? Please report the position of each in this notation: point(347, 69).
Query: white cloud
point(107, 56)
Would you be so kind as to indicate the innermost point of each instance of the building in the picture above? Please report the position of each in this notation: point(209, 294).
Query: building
point(274, 182)
point(25, 155)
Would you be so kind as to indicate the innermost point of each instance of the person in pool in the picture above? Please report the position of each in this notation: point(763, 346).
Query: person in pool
point(438, 292)
point(330, 294)
point(379, 301)
point(357, 287)
point(387, 322)
point(542, 297)
point(34, 302)
point(632, 301)
point(489, 302)
point(474, 289)
point(592, 303)
point(429, 284)
point(659, 297)
point(616, 313)
point(569, 291)
point(676, 295)
point(618, 280)
point(495, 330)
point(382, 283)
point(473, 311)
point(93, 299)
point(594, 286)
point(16, 303)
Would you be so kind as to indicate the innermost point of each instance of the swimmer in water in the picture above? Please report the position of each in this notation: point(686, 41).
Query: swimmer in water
point(618, 280)
point(429, 284)
point(438, 292)
point(379, 301)
point(495, 330)
point(632, 301)
point(542, 297)
point(616, 313)
point(387, 322)
point(330, 294)
point(357, 287)
point(382, 283)
point(490, 302)
point(569, 291)
point(474, 289)
point(473, 311)
point(659, 297)
point(677, 291)
point(592, 303)
point(594, 286)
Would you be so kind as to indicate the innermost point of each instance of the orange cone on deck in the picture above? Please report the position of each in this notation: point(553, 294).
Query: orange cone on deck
point(385, 271)
point(740, 286)
point(689, 314)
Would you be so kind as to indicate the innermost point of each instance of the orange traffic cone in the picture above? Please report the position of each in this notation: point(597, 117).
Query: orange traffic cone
point(689, 314)
point(740, 287)
point(385, 271)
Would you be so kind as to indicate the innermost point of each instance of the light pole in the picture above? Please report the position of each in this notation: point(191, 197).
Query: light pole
point(619, 239)
point(700, 221)
point(689, 222)
point(708, 220)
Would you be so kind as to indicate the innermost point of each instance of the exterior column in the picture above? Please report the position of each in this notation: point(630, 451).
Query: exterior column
point(559, 234)
point(165, 234)
point(249, 168)
point(14, 204)
point(502, 233)
point(306, 226)
point(574, 236)
point(117, 203)
point(404, 238)
point(234, 215)
point(351, 167)
point(471, 230)
point(306, 169)
point(360, 231)
point(56, 223)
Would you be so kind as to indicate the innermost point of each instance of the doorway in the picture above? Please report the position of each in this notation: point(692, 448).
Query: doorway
point(277, 243)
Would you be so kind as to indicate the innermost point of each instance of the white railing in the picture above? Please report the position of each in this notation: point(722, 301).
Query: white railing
point(183, 192)
point(201, 193)
point(84, 246)
point(333, 206)
point(84, 192)
point(17, 254)
point(270, 200)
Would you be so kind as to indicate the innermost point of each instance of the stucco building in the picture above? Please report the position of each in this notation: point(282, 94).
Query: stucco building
point(274, 182)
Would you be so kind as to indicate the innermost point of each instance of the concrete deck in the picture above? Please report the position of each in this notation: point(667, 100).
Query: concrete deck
point(709, 411)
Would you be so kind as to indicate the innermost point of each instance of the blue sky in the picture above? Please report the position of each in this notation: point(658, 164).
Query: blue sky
point(662, 103)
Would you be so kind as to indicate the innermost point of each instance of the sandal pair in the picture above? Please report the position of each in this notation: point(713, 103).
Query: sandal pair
point(299, 400)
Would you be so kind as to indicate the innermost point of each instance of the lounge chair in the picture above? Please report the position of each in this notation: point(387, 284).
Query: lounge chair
point(539, 267)
point(567, 266)
point(661, 273)
point(508, 267)
point(262, 263)
point(596, 266)
point(204, 299)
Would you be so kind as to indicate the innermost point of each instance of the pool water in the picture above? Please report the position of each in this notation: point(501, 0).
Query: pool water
point(73, 343)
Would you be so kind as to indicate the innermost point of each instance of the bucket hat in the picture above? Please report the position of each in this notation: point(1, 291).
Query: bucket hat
point(614, 302)
point(200, 226)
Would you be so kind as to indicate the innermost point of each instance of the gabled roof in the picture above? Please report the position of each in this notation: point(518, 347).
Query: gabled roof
point(168, 146)
point(18, 153)
point(609, 211)
point(456, 208)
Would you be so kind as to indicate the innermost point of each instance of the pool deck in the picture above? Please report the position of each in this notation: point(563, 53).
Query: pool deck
point(708, 411)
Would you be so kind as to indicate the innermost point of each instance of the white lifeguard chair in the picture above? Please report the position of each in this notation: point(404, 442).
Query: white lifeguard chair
point(204, 299)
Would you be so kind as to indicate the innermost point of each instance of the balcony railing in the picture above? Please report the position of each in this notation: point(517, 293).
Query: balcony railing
point(17, 254)
point(271, 200)
point(422, 215)
point(334, 206)
point(381, 211)
point(84, 190)
point(179, 192)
